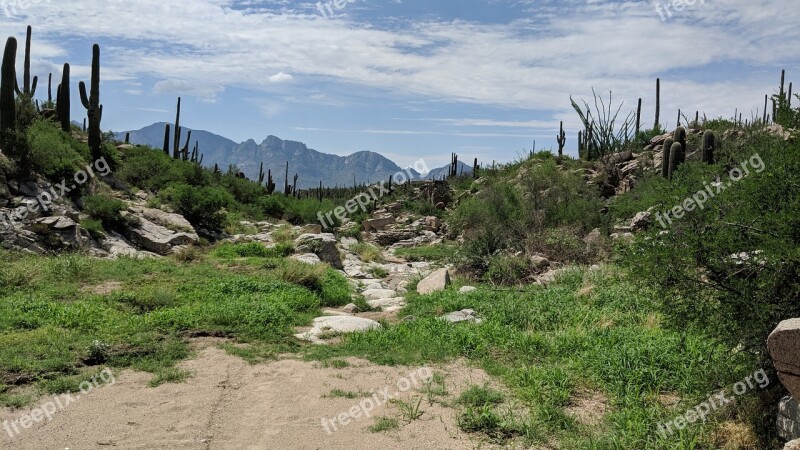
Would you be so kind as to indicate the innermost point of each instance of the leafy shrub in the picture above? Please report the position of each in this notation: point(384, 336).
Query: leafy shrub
point(253, 250)
point(201, 206)
point(507, 269)
point(53, 153)
point(107, 210)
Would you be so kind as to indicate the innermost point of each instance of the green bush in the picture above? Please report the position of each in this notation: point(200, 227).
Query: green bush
point(506, 269)
point(201, 206)
point(107, 210)
point(253, 250)
point(53, 153)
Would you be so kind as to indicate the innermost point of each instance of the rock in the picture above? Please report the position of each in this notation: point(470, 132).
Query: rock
point(312, 229)
point(792, 445)
point(433, 223)
point(385, 304)
point(377, 224)
point(436, 281)
point(441, 206)
point(117, 246)
point(351, 308)
point(377, 294)
point(465, 315)
point(539, 262)
point(374, 286)
point(784, 347)
point(348, 242)
point(389, 237)
point(142, 195)
point(336, 325)
point(594, 237)
point(172, 221)
point(322, 245)
point(642, 221)
point(467, 289)
point(788, 423)
point(623, 236)
point(308, 258)
point(549, 277)
point(159, 239)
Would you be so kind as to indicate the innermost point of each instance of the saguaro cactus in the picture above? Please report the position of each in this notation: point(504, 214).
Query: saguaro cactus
point(166, 140)
point(709, 145)
point(666, 156)
point(63, 100)
point(658, 103)
point(638, 119)
point(270, 183)
point(92, 104)
point(674, 155)
point(50, 88)
point(562, 139)
point(286, 189)
point(176, 145)
point(8, 105)
point(680, 137)
point(27, 89)
point(261, 174)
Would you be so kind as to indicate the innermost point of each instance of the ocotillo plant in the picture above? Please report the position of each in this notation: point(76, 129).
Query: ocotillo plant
point(658, 104)
point(27, 89)
point(667, 147)
point(166, 140)
point(709, 145)
point(63, 101)
point(680, 137)
point(92, 104)
point(8, 78)
point(562, 139)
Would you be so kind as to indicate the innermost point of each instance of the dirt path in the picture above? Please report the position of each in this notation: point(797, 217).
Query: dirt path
point(229, 404)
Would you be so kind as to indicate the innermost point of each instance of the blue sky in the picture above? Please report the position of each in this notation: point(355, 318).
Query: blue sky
point(409, 79)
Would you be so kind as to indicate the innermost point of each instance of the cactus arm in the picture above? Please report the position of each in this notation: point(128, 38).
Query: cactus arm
point(84, 98)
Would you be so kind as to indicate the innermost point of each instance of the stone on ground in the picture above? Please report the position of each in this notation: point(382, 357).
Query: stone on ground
point(436, 281)
point(784, 347)
point(322, 245)
point(467, 289)
point(336, 325)
point(465, 315)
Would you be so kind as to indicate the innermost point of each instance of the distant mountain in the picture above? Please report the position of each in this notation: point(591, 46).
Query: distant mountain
point(311, 165)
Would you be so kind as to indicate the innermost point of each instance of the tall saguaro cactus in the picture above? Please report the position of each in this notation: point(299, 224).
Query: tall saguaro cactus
point(562, 139)
point(94, 110)
point(27, 89)
point(166, 140)
point(709, 145)
point(8, 105)
point(63, 100)
point(658, 103)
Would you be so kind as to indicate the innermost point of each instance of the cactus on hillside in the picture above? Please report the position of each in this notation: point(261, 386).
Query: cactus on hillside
point(92, 104)
point(166, 140)
point(261, 173)
point(679, 136)
point(286, 189)
point(674, 155)
point(638, 119)
point(185, 151)
point(27, 89)
point(63, 103)
point(270, 183)
point(658, 104)
point(8, 105)
point(50, 88)
point(562, 139)
point(667, 146)
point(709, 145)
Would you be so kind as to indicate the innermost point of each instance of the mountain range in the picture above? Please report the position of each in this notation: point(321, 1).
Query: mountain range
point(311, 165)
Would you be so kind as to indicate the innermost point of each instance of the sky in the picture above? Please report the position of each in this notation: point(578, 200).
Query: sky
point(409, 79)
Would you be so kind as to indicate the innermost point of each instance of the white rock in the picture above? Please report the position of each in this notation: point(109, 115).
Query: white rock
point(467, 289)
point(377, 294)
point(436, 281)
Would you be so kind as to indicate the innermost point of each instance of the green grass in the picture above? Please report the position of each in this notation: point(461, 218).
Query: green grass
point(435, 253)
point(170, 375)
point(384, 424)
point(59, 319)
point(339, 393)
point(367, 252)
point(549, 345)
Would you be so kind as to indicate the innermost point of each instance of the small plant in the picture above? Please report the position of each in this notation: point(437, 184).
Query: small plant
point(367, 252)
point(480, 396)
point(435, 387)
point(107, 210)
point(409, 410)
point(384, 424)
point(378, 272)
point(98, 353)
point(170, 375)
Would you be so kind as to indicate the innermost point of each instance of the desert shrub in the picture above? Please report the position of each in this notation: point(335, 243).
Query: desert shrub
point(507, 269)
point(732, 266)
point(253, 250)
point(53, 153)
point(201, 206)
point(107, 210)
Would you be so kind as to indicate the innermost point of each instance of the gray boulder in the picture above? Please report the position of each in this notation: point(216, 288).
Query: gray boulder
point(322, 245)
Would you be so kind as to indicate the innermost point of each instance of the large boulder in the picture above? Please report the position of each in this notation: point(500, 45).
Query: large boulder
point(172, 221)
point(436, 281)
point(322, 245)
point(378, 224)
point(784, 346)
point(333, 325)
point(160, 239)
point(788, 419)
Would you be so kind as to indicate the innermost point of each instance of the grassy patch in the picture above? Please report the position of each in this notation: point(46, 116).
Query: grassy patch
point(384, 424)
point(435, 253)
point(172, 375)
point(367, 252)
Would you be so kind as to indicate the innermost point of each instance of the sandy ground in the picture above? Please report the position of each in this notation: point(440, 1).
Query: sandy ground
point(230, 404)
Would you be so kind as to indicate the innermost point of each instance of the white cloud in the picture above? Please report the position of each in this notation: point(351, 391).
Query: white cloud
point(280, 77)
